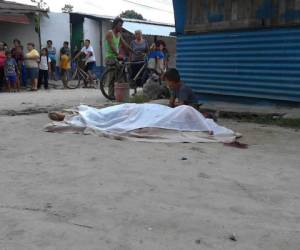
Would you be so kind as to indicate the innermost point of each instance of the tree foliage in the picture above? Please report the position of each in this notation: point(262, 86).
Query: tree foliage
point(41, 4)
point(68, 8)
point(131, 14)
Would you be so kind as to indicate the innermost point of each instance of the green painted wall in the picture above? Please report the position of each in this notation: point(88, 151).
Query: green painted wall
point(77, 34)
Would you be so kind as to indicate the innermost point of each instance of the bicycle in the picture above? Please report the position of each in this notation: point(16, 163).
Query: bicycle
point(120, 71)
point(79, 76)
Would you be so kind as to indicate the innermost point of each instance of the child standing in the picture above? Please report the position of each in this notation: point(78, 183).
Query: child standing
point(19, 57)
point(64, 67)
point(52, 55)
point(44, 68)
point(11, 72)
point(156, 59)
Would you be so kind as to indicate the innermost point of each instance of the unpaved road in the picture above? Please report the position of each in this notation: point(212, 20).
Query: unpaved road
point(48, 100)
point(63, 191)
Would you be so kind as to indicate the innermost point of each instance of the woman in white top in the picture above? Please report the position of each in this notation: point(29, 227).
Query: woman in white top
point(44, 68)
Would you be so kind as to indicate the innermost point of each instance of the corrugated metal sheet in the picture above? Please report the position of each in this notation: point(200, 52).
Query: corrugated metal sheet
point(149, 29)
point(261, 64)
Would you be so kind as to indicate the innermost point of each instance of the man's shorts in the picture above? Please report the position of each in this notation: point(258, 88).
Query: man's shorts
point(90, 66)
point(11, 79)
point(32, 73)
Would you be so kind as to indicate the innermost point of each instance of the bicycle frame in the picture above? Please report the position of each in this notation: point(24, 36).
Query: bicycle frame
point(81, 73)
point(125, 70)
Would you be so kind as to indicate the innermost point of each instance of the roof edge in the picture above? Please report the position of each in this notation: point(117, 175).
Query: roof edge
point(27, 7)
point(125, 19)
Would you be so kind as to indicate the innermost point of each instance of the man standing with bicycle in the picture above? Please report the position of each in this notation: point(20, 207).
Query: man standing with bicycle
point(90, 59)
point(112, 44)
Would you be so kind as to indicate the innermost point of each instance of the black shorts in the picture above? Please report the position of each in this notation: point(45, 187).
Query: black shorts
point(90, 66)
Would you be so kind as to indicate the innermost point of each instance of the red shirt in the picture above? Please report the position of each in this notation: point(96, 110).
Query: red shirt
point(2, 59)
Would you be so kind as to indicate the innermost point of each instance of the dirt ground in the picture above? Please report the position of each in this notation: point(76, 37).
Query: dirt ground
point(49, 99)
point(63, 191)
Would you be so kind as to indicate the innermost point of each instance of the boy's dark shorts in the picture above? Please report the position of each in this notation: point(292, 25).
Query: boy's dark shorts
point(90, 66)
point(12, 79)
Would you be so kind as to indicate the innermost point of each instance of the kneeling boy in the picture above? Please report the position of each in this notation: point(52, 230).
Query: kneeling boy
point(181, 94)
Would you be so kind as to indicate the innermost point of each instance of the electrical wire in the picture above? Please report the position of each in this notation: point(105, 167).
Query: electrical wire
point(147, 6)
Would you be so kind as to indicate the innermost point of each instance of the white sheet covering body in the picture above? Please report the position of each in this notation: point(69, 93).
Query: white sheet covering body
point(129, 117)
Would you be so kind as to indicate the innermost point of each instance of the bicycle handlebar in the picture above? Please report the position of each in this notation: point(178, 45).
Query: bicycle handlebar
point(129, 63)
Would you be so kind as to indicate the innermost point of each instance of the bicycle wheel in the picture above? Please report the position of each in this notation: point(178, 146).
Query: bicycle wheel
point(75, 80)
point(105, 81)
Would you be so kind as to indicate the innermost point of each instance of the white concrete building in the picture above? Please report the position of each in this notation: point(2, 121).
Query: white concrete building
point(55, 27)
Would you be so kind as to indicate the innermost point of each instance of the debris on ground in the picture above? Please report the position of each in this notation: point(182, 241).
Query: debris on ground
point(236, 144)
point(233, 237)
point(198, 242)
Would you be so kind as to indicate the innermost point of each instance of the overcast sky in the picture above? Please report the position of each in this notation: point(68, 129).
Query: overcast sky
point(155, 10)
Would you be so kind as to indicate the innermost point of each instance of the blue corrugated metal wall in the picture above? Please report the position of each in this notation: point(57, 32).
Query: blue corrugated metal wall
point(261, 64)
